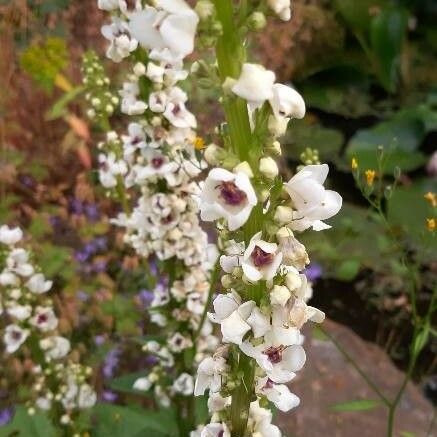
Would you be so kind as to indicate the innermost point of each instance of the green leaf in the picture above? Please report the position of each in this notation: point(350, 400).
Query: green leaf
point(302, 135)
point(357, 405)
point(118, 421)
point(348, 270)
point(59, 107)
point(357, 14)
point(401, 136)
point(421, 340)
point(387, 35)
point(24, 425)
point(408, 209)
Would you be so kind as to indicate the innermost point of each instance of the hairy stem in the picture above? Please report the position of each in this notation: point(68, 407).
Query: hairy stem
point(231, 54)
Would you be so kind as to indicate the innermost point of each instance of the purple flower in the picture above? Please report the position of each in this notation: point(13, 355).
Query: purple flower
point(81, 256)
point(92, 212)
point(6, 415)
point(313, 272)
point(101, 243)
point(99, 266)
point(109, 396)
point(152, 360)
point(146, 297)
point(76, 206)
point(83, 296)
point(111, 362)
point(99, 340)
point(27, 181)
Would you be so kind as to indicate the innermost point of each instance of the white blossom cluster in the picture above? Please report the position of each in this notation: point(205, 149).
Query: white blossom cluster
point(156, 163)
point(32, 322)
point(265, 303)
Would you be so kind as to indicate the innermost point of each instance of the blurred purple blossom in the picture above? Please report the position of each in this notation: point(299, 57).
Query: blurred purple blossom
point(92, 212)
point(313, 272)
point(83, 296)
point(109, 396)
point(6, 415)
point(27, 180)
point(111, 362)
point(99, 340)
point(146, 297)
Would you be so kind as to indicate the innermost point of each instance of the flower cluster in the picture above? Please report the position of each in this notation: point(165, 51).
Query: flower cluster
point(102, 101)
point(264, 306)
point(32, 324)
point(154, 166)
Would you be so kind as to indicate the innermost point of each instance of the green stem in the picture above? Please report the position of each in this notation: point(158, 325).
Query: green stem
point(231, 55)
point(213, 280)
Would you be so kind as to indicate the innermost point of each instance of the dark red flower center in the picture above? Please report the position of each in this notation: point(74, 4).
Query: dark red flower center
point(231, 194)
point(274, 354)
point(261, 258)
point(42, 318)
point(157, 162)
point(16, 335)
point(167, 220)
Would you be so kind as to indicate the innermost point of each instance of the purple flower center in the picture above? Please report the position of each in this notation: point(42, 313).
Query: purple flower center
point(157, 162)
point(274, 354)
point(231, 194)
point(42, 318)
point(16, 335)
point(261, 258)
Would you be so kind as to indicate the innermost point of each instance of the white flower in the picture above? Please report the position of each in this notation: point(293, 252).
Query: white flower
point(300, 313)
point(260, 422)
point(286, 102)
point(108, 5)
point(261, 259)
point(282, 8)
point(184, 384)
point(142, 384)
point(110, 169)
point(254, 84)
point(20, 312)
point(279, 394)
point(294, 252)
point(233, 255)
point(209, 375)
point(312, 202)
point(268, 167)
point(14, 337)
point(232, 316)
point(37, 284)
point(87, 397)
point(279, 295)
point(8, 278)
point(215, 430)
point(10, 236)
point(121, 43)
point(217, 403)
point(55, 347)
point(177, 342)
point(283, 215)
point(227, 195)
point(44, 319)
point(43, 403)
point(171, 25)
point(176, 112)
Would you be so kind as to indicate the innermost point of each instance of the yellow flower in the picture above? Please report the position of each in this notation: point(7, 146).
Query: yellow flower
point(431, 224)
point(199, 144)
point(354, 164)
point(370, 177)
point(432, 198)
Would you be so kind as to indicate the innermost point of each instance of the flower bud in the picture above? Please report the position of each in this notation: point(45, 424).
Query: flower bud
point(244, 167)
point(268, 167)
point(279, 295)
point(283, 215)
point(293, 281)
point(227, 281)
point(277, 125)
point(274, 148)
point(204, 9)
point(139, 69)
point(257, 21)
